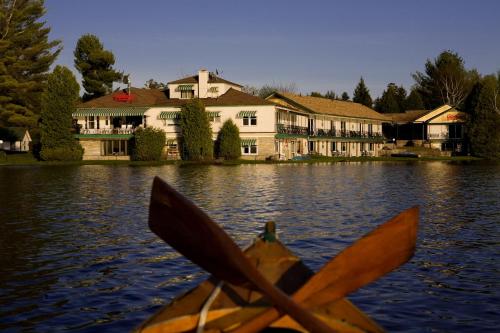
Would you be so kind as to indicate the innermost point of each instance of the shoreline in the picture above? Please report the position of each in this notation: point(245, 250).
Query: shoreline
point(29, 160)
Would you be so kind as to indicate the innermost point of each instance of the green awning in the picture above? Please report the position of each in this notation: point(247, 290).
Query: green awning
point(104, 136)
point(112, 112)
point(185, 87)
point(214, 114)
point(248, 142)
point(170, 115)
point(242, 114)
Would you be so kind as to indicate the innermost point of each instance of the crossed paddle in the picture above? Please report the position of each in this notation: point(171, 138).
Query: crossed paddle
point(186, 228)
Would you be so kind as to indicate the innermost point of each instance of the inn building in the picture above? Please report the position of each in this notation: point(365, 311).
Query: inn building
point(281, 126)
point(315, 125)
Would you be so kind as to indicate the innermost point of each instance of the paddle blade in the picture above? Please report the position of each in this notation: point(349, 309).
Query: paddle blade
point(374, 255)
point(186, 228)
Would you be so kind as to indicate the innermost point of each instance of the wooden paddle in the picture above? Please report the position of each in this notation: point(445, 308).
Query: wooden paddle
point(374, 255)
point(190, 231)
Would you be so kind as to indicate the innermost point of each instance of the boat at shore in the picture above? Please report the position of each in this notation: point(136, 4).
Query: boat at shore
point(220, 307)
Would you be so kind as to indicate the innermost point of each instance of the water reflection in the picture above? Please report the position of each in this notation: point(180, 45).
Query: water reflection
point(77, 253)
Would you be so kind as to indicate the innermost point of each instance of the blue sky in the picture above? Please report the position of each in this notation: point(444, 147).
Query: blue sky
point(317, 45)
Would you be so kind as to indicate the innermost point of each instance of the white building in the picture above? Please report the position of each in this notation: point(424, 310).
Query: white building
point(107, 123)
point(316, 125)
point(282, 126)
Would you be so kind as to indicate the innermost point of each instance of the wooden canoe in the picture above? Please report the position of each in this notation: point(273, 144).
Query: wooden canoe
point(225, 306)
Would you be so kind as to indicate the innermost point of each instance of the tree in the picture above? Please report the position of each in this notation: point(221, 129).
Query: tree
point(251, 90)
point(152, 84)
point(197, 141)
point(330, 94)
point(148, 144)
point(392, 99)
point(228, 144)
point(26, 55)
point(315, 94)
point(414, 101)
point(58, 103)
point(484, 122)
point(345, 96)
point(96, 66)
point(445, 81)
point(362, 94)
point(267, 89)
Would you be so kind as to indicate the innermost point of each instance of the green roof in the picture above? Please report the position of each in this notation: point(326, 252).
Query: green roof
point(113, 112)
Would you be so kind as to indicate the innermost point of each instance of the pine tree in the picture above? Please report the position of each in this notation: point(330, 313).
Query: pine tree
point(58, 103)
point(345, 96)
point(362, 94)
point(330, 94)
point(392, 99)
point(196, 140)
point(26, 55)
point(228, 144)
point(96, 66)
point(414, 101)
point(484, 123)
point(445, 81)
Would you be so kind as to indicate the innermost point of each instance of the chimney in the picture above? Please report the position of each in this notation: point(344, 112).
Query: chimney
point(202, 83)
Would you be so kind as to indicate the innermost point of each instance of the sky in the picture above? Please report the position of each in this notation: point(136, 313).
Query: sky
point(314, 45)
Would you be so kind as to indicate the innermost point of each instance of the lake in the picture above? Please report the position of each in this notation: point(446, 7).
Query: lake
point(76, 252)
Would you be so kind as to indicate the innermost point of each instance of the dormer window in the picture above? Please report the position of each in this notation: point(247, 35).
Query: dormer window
point(186, 91)
point(185, 94)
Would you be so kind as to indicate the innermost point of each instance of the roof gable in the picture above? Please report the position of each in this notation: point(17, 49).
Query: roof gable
point(211, 79)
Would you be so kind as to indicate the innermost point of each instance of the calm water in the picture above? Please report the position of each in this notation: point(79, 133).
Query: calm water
point(76, 254)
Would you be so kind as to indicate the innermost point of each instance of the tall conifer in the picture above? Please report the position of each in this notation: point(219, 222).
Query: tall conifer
point(26, 55)
point(96, 66)
point(362, 94)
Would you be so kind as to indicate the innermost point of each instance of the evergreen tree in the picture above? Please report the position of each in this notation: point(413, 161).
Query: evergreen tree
point(197, 141)
point(445, 81)
point(484, 122)
point(96, 66)
point(228, 144)
point(362, 94)
point(26, 55)
point(330, 94)
point(152, 84)
point(345, 96)
point(389, 102)
point(58, 103)
point(315, 94)
point(414, 101)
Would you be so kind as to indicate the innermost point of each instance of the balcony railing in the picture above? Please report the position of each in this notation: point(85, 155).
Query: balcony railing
point(442, 136)
point(123, 130)
point(292, 129)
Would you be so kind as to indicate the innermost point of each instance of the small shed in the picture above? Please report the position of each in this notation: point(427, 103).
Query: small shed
point(15, 139)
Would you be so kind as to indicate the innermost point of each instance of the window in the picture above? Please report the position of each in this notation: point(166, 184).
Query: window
point(249, 149)
point(344, 146)
point(370, 147)
point(334, 146)
point(187, 94)
point(91, 122)
point(250, 120)
point(370, 129)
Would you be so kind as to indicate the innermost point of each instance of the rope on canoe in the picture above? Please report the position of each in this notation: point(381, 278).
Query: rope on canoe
point(206, 307)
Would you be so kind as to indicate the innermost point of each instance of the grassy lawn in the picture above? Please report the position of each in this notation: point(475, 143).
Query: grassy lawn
point(29, 159)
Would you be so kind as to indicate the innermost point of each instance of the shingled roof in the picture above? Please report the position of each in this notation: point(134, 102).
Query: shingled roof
point(141, 97)
point(157, 98)
point(331, 107)
point(211, 79)
point(406, 117)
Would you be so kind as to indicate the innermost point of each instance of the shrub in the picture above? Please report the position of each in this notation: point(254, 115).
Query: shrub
point(148, 144)
point(63, 153)
point(228, 144)
point(197, 144)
